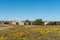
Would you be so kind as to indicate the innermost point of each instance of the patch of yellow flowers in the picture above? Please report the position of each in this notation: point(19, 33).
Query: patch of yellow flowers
point(42, 30)
point(46, 30)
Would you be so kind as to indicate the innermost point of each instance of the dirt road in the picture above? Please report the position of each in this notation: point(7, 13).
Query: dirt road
point(5, 27)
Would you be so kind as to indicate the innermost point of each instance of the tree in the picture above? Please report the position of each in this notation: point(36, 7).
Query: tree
point(38, 22)
point(51, 23)
point(27, 22)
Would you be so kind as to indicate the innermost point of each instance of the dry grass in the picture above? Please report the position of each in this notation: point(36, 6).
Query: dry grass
point(31, 33)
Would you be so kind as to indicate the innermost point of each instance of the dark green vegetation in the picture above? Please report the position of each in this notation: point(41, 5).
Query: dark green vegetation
point(41, 22)
point(28, 22)
point(38, 22)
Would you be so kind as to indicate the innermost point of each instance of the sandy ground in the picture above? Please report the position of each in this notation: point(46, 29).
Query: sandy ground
point(5, 27)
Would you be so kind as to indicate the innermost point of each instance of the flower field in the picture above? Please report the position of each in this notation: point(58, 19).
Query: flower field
point(30, 33)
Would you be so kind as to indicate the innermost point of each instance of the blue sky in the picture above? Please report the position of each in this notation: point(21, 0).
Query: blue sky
point(30, 9)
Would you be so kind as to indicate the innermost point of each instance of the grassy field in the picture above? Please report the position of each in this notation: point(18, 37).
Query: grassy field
point(31, 33)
